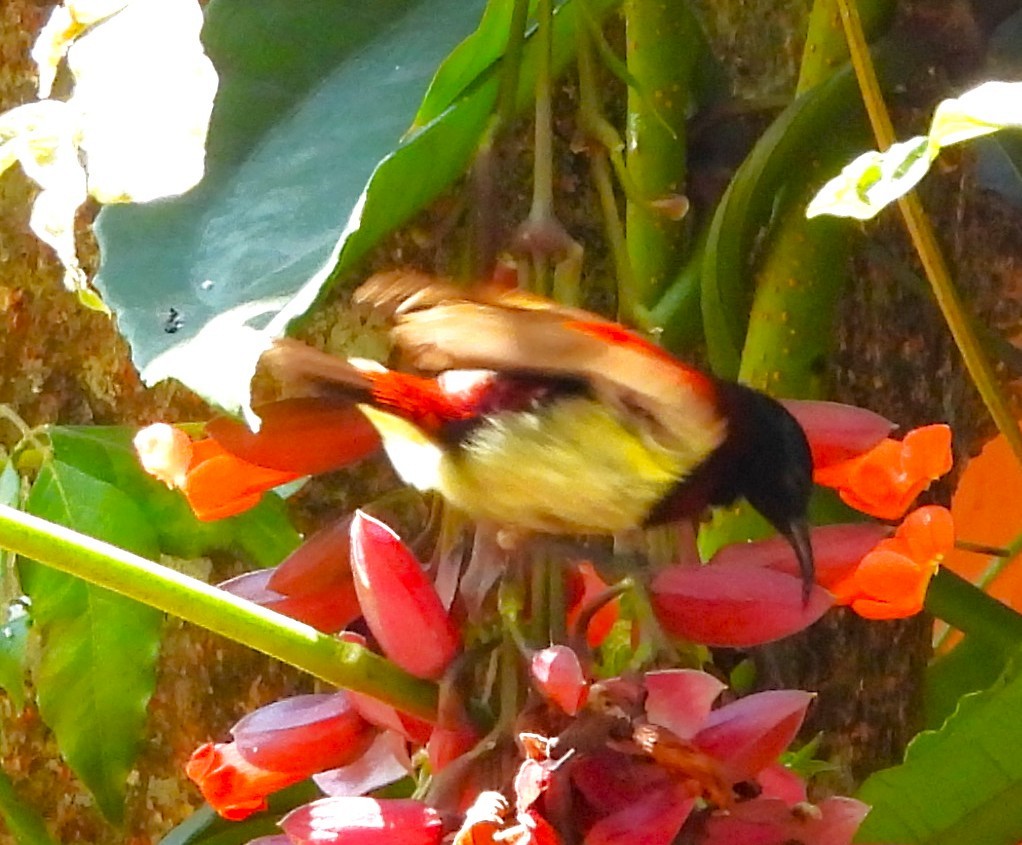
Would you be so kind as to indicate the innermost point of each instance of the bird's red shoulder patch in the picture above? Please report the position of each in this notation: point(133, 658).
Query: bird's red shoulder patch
point(613, 333)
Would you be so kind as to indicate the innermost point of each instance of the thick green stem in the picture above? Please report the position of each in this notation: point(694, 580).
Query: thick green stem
point(340, 663)
point(661, 52)
point(974, 613)
point(924, 239)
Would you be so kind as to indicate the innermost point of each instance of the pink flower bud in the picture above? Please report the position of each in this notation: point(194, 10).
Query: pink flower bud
point(734, 606)
point(558, 675)
point(363, 821)
point(307, 733)
point(837, 432)
point(398, 601)
point(328, 611)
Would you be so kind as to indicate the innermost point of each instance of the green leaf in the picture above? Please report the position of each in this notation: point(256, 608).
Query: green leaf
point(21, 821)
point(263, 535)
point(205, 827)
point(876, 179)
point(313, 96)
point(13, 645)
point(98, 663)
point(468, 60)
point(960, 784)
point(970, 666)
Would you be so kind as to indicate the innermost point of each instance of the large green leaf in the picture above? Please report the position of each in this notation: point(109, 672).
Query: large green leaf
point(314, 95)
point(98, 663)
point(960, 784)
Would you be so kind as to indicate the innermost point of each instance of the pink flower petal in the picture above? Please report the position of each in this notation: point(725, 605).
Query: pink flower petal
point(749, 734)
point(768, 821)
point(837, 432)
point(363, 821)
point(654, 819)
point(320, 563)
point(384, 716)
point(384, 762)
point(558, 675)
point(398, 601)
point(307, 733)
point(611, 781)
point(734, 606)
point(328, 611)
point(448, 744)
point(779, 781)
point(837, 550)
point(680, 699)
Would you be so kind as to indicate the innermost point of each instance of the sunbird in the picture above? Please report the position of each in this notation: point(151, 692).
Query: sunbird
point(549, 418)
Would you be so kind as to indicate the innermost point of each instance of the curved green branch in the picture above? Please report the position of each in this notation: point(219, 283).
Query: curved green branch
point(332, 660)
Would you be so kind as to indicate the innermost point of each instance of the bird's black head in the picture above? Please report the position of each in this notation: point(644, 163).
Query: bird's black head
point(774, 469)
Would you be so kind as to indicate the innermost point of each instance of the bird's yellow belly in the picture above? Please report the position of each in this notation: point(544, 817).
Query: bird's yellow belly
point(570, 467)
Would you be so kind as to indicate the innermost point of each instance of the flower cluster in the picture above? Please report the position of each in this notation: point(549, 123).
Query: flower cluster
point(645, 756)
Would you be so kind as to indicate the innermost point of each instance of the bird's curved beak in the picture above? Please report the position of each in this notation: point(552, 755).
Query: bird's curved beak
point(797, 533)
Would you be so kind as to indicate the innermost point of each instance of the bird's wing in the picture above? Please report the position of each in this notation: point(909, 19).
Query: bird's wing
point(623, 368)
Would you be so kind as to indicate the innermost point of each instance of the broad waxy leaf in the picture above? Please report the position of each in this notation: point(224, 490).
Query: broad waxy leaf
point(962, 783)
point(313, 96)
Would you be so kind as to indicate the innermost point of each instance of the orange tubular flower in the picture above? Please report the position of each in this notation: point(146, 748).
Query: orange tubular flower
point(227, 473)
point(884, 481)
point(891, 580)
point(234, 787)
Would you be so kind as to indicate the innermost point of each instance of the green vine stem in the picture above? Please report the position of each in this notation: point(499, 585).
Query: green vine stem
point(340, 663)
point(924, 240)
point(967, 608)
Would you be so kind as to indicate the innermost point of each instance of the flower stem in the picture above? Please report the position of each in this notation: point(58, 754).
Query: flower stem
point(343, 664)
point(974, 613)
point(924, 239)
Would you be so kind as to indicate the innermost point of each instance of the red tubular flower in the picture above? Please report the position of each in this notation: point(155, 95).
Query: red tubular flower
point(558, 675)
point(884, 481)
point(328, 611)
point(230, 784)
point(585, 585)
point(228, 472)
point(733, 606)
point(837, 550)
point(306, 436)
point(363, 821)
point(308, 733)
point(383, 763)
point(216, 483)
point(399, 603)
point(891, 580)
point(277, 746)
point(837, 432)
